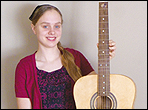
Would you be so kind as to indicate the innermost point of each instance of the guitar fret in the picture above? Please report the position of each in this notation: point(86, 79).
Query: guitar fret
point(104, 37)
point(104, 58)
point(103, 9)
point(103, 22)
point(103, 45)
point(104, 67)
point(103, 12)
point(103, 15)
point(103, 61)
point(106, 49)
point(103, 25)
point(104, 34)
point(102, 70)
point(103, 55)
point(104, 75)
point(103, 48)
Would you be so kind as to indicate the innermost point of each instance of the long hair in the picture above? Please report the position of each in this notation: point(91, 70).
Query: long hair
point(66, 57)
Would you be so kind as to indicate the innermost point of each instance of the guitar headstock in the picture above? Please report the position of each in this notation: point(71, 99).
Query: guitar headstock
point(103, 5)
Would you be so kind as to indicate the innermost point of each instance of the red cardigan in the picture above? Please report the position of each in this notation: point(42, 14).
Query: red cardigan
point(26, 83)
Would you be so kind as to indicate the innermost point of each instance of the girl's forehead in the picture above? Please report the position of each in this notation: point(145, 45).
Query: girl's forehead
point(50, 16)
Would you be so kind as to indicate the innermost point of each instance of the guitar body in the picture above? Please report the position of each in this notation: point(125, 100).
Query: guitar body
point(122, 89)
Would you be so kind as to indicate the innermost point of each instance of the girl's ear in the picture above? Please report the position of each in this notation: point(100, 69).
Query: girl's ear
point(33, 28)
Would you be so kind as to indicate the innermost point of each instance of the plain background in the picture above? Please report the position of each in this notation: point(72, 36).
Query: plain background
point(127, 26)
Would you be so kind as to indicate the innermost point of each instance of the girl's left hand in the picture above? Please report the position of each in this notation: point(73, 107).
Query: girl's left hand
point(112, 48)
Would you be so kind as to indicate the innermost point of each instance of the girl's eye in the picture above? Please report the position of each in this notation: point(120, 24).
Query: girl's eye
point(57, 26)
point(45, 26)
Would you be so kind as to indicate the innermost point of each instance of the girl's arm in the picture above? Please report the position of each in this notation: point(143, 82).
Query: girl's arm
point(24, 103)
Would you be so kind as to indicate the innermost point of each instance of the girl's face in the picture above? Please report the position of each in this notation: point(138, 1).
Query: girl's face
point(48, 29)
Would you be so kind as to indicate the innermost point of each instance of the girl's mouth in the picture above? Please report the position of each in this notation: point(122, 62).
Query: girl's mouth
point(51, 38)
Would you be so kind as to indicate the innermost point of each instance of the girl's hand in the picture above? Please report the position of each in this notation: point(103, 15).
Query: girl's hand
point(112, 48)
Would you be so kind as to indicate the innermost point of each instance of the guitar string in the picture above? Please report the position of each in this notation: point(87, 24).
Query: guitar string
point(106, 104)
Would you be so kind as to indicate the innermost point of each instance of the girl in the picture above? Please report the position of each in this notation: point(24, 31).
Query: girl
point(45, 79)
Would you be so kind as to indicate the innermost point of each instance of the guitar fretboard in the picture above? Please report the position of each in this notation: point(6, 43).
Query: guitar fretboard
point(103, 51)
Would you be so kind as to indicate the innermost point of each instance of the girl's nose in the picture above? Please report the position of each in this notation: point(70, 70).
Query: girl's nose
point(51, 31)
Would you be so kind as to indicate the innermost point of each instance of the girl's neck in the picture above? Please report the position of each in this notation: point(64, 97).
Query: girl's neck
point(47, 54)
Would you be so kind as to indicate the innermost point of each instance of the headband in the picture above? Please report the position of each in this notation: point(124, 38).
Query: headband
point(31, 16)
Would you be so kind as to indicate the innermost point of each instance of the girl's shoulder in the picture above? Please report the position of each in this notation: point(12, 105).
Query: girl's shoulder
point(27, 59)
point(76, 53)
point(73, 51)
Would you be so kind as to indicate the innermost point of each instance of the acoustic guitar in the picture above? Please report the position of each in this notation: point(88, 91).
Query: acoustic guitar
point(104, 90)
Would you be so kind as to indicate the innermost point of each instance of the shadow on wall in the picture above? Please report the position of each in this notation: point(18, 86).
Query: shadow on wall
point(9, 64)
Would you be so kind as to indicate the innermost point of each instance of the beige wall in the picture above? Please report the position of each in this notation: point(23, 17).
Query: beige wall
point(128, 27)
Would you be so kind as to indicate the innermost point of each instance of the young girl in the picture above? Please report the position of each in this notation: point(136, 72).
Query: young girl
point(45, 79)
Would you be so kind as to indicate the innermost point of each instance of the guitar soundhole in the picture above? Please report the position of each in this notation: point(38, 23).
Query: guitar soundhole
point(103, 102)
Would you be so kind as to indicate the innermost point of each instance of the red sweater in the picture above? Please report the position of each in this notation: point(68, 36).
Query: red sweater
point(26, 83)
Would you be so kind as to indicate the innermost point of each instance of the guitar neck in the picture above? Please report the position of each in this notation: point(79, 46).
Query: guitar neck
point(103, 51)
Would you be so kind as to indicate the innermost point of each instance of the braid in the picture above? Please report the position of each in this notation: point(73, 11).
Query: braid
point(68, 62)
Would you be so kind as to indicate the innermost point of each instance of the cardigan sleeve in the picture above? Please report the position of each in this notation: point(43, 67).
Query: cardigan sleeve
point(26, 85)
point(20, 81)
